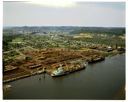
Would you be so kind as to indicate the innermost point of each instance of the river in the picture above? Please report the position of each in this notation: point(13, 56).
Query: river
point(101, 80)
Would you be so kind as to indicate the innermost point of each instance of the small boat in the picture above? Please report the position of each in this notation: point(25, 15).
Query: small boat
point(6, 87)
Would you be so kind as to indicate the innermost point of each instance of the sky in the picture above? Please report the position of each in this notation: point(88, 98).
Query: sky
point(96, 14)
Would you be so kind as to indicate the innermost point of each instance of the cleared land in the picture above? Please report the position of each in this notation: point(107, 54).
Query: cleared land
point(32, 53)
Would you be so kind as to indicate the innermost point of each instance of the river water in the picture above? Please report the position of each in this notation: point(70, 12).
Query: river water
point(101, 80)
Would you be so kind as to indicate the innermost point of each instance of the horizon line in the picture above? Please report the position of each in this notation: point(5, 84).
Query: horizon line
point(63, 26)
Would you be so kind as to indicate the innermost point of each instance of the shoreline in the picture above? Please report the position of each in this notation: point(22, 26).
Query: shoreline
point(49, 73)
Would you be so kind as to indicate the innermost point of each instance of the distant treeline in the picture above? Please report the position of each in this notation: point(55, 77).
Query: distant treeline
point(100, 30)
point(69, 29)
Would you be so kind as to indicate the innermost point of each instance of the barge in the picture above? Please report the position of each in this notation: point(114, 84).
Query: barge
point(96, 60)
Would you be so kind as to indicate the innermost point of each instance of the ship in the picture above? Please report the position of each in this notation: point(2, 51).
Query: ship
point(96, 60)
point(60, 71)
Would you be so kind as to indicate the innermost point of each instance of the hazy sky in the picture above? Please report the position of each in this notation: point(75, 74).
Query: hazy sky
point(110, 14)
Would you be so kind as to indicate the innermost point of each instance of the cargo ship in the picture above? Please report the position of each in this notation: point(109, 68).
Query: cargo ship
point(61, 71)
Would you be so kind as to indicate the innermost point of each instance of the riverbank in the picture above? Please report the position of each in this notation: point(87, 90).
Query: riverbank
point(48, 60)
